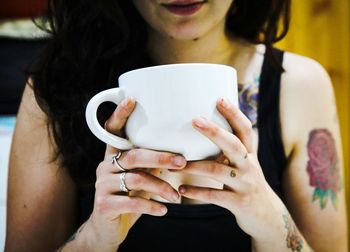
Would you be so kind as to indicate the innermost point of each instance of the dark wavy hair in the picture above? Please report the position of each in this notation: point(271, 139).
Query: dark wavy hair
point(91, 43)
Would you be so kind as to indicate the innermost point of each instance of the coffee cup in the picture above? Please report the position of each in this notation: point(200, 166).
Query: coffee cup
point(167, 98)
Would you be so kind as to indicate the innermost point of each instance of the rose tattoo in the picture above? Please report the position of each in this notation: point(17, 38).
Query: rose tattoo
point(322, 167)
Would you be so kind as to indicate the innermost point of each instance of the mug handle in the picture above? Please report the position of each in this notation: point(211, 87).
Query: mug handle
point(110, 95)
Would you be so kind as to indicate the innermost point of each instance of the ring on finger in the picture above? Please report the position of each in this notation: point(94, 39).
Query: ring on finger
point(123, 186)
point(115, 159)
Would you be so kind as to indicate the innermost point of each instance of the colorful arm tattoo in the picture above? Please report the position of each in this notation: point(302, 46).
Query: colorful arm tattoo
point(323, 167)
point(294, 241)
point(248, 95)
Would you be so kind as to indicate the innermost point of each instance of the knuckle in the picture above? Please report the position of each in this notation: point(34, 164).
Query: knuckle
point(236, 144)
point(98, 184)
point(213, 131)
point(162, 159)
point(249, 182)
point(137, 178)
point(100, 169)
point(213, 169)
point(247, 128)
point(250, 165)
point(131, 157)
point(101, 183)
point(121, 112)
point(133, 203)
point(165, 189)
point(235, 112)
point(107, 124)
point(245, 179)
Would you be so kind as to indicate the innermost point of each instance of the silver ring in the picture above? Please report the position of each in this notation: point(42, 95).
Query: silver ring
point(123, 186)
point(116, 163)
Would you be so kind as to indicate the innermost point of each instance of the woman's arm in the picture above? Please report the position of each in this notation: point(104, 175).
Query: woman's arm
point(41, 195)
point(41, 207)
point(306, 113)
point(313, 182)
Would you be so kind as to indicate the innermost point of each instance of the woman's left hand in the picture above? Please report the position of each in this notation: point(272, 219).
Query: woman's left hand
point(246, 193)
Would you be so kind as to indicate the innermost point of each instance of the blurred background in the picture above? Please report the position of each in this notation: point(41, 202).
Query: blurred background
point(320, 29)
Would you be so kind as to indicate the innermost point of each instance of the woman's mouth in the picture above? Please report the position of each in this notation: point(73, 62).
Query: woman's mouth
point(184, 7)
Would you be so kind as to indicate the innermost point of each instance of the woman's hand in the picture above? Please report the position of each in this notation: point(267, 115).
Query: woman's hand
point(246, 193)
point(115, 211)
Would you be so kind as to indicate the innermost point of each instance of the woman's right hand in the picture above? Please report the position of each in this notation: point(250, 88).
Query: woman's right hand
point(115, 212)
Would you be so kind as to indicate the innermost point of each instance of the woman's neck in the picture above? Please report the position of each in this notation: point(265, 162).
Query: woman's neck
point(215, 46)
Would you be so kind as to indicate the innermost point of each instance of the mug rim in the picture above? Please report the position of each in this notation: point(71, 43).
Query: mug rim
point(176, 65)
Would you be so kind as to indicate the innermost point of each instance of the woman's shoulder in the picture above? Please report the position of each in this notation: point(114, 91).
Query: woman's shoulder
point(304, 74)
point(306, 98)
point(306, 81)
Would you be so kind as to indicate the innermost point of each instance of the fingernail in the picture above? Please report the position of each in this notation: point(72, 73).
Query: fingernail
point(200, 122)
point(163, 210)
point(178, 161)
point(125, 102)
point(175, 196)
point(182, 189)
point(223, 103)
point(130, 100)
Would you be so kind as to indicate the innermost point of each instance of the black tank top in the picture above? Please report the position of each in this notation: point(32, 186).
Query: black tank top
point(208, 227)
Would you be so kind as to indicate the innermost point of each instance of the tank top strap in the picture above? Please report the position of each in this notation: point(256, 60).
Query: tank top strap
point(270, 148)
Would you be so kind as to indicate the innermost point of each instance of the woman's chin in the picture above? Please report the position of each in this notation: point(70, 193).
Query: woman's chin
point(185, 35)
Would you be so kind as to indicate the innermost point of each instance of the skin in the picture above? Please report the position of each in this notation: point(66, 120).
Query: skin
point(42, 195)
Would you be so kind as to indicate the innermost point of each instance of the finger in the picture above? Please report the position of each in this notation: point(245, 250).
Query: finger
point(222, 159)
point(124, 204)
point(117, 120)
point(238, 122)
point(218, 197)
point(230, 145)
point(214, 170)
point(108, 166)
point(142, 181)
point(144, 158)
point(137, 181)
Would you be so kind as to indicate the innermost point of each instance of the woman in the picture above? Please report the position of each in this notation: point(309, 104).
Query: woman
point(281, 169)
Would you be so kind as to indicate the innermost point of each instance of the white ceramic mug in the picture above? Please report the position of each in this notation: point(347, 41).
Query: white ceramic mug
point(167, 98)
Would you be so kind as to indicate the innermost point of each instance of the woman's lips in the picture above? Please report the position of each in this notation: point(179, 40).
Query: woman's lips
point(184, 8)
